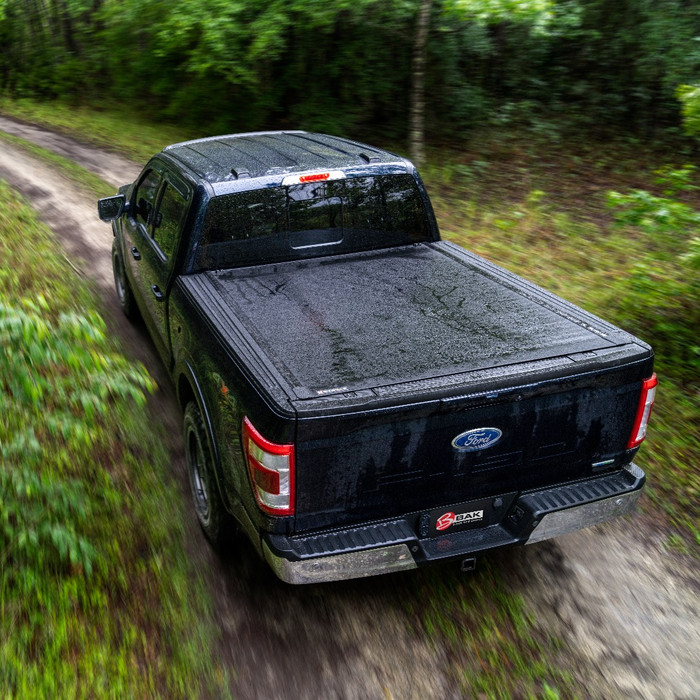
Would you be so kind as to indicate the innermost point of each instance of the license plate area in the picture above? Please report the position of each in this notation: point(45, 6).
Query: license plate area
point(461, 516)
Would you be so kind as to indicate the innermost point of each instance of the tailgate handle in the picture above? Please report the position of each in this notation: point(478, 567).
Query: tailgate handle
point(135, 253)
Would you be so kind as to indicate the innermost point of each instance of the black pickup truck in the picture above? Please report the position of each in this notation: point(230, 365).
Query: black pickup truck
point(358, 395)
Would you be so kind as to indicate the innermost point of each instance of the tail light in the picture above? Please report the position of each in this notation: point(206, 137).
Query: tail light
point(271, 471)
point(646, 403)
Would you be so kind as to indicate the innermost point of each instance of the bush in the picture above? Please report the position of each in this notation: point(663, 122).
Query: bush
point(56, 383)
point(661, 297)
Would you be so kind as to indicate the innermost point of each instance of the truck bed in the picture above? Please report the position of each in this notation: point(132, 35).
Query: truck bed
point(384, 357)
point(360, 324)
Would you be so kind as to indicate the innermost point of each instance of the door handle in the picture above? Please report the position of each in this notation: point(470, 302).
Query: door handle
point(135, 253)
point(157, 293)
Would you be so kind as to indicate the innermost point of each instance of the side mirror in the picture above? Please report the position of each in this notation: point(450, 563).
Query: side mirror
point(111, 208)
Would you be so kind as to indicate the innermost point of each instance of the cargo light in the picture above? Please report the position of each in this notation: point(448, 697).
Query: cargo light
point(271, 471)
point(312, 177)
point(646, 403)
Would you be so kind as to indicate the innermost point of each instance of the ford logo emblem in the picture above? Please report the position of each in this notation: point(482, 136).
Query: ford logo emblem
point(477, 439)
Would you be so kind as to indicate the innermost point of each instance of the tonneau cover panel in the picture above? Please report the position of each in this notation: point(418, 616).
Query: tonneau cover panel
point(358, 322)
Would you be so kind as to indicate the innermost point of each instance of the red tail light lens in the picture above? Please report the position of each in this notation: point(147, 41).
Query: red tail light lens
point(646, 403)
point(271, 471)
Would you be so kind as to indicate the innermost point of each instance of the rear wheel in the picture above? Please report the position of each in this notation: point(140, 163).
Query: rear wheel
point(121, 284)
point(210, 510)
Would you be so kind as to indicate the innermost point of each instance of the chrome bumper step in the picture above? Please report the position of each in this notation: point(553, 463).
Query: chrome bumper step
point(396, 545)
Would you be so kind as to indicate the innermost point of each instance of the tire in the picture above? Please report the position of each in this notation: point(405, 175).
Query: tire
point(121, 284)
point(212, 515)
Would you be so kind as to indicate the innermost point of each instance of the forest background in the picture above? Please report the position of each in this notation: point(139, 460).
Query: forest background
point(359, 67)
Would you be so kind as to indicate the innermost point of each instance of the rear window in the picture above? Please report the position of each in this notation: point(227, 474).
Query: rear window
point(311, 219)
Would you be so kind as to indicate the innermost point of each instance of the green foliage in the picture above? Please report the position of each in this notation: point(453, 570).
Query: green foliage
point(618, 62)
point(689, 95)
point(662, 294)
point(346, 66)
point(311, 64)
point(498, 11)
point(56, 387)
point(59, 366)
point(41, 521)
point(97, 596)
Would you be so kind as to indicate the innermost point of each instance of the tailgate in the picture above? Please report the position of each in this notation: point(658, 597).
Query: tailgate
point(389, 462)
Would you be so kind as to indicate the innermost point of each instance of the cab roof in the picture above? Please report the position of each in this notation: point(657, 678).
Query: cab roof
point(264, 153)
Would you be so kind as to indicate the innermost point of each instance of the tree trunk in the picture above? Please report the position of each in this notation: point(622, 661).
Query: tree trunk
point(417, 120)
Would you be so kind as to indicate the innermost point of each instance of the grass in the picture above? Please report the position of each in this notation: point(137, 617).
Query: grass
point(98, 597)
point(670, 457)
point(109, 127)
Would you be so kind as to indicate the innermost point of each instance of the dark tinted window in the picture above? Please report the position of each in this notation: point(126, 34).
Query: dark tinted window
point(285, 223)
point(316, 213)
point(145, 197)
point(169, 220)
point(246, 215)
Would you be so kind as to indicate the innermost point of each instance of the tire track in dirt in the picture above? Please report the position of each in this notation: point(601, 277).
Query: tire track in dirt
point(627, 609)
point(111, 167)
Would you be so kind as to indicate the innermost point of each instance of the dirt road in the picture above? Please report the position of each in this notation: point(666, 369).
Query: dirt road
point(627, 609)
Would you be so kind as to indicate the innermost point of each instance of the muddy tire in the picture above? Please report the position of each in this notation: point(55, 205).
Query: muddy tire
point(121, 284)
point(208, 506)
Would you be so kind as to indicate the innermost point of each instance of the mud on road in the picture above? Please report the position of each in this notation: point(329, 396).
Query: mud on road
point(626, 609)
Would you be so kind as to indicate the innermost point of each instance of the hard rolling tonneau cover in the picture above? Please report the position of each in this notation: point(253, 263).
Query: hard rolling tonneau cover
point(363, 321)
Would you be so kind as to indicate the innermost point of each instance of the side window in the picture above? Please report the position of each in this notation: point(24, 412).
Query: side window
point(169, 219)
point(145, 198)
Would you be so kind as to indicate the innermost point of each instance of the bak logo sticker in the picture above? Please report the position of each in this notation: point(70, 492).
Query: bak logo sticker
point(477, 439)
point(449, 519)
point(445, 521)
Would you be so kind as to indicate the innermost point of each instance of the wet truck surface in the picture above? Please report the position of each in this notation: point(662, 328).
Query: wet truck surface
point(359, 396)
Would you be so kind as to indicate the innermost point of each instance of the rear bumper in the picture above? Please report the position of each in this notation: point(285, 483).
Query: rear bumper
point(396, 545)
